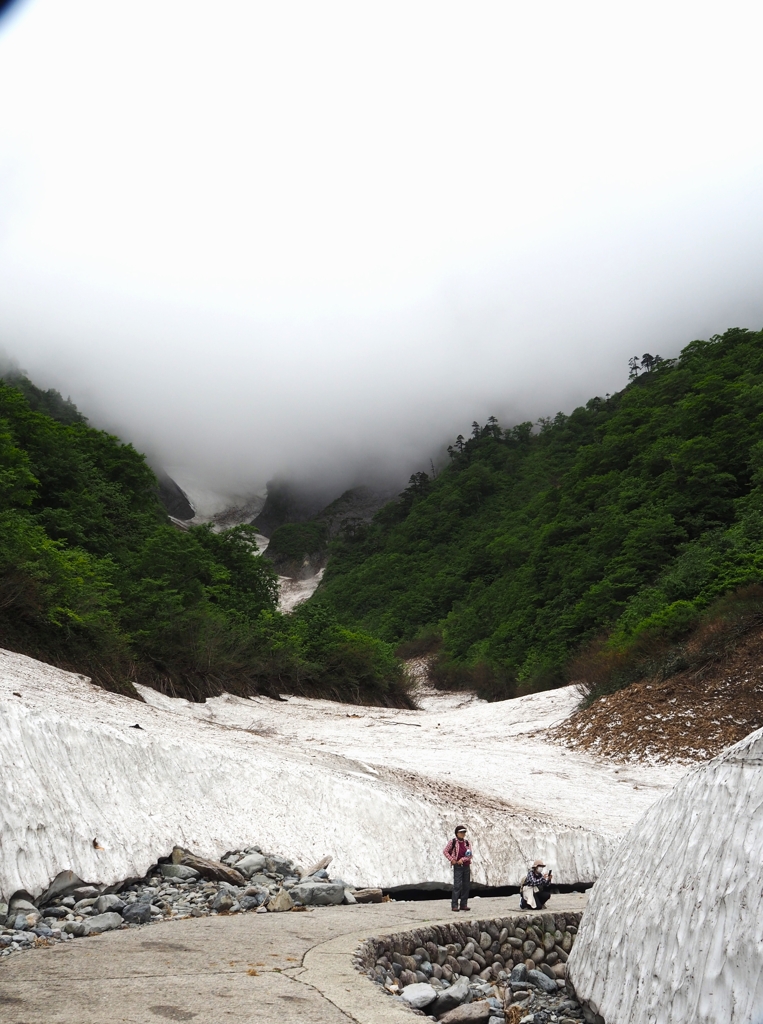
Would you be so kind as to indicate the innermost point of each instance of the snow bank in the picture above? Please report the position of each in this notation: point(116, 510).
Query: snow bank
point(672, 931)
point(379, 789)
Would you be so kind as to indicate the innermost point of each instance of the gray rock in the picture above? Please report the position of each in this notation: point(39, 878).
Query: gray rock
point(539, 980)
point(495, 1020)
point(280, 865)
point(280, 902)
point(223, 901)
point(453, 996)
point(418, 996)
point(102, 923)
point(252, 902)
point(485, 940)
point(349, 899)
point(248, 865)
point(318, 894)
point(518, 975)
point(75, 928)
point(137, 913)
point(212, 869)
point(55, 912)
point(21, 905)
point(181, 871)
point(468, 1013)
point(24, 922)
point(81, 905)
point(85, 892)
point(63, 883)
point(108, 902)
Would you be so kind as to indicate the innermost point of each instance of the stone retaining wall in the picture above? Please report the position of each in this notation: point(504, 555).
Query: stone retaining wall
point(515, 965)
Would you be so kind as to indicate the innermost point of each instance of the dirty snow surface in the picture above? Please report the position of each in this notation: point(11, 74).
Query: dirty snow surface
point(672, 931)
point(379, 789)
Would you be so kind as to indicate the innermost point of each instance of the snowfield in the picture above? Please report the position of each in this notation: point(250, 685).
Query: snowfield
point(379, 789)
point(672, 931)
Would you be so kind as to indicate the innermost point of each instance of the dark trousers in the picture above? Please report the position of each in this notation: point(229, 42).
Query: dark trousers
point(542, 898)
point(461, 883)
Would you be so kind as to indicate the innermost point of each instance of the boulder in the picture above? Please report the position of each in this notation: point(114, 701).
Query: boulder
point(85, 892)
point(469, 1013)
point(102, 923)
point(539, 980)
point(223, 901)
point(21, 905)
point(518, 975)
point(280, 902)
point(137, 913)
point(253, 900)
point(279, 865)
point(418, 996)
point(82, 905)
point(212, 869)
point(181, 871)
point(251, 863)
point(75, 928)
point(318, 894)
point(451, 997)
point(108, 902)
point(63, 883)
point(349, 899)
point(368, 895)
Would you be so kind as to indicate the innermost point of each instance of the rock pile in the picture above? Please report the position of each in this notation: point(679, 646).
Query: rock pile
point(480, 972)
point(183, 885)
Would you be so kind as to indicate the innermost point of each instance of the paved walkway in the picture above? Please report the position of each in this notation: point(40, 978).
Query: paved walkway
point(248, 969)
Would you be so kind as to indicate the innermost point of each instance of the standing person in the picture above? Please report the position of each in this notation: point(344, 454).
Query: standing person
point(536, 888)
point(459, 853)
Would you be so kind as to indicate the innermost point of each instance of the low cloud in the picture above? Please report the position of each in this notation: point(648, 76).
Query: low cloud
point(318, 248)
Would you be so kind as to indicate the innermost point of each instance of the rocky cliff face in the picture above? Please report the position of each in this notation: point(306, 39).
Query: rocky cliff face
point(672, 930)
point(173, 498)
point(299, 536)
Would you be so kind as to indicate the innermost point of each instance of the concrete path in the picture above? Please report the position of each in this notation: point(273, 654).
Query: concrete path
point(248, 969)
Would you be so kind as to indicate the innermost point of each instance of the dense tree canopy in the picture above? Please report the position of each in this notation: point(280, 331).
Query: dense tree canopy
point(631, 513)
point(94, 577)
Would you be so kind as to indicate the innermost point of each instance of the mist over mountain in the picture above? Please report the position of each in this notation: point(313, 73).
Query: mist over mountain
point(315, 243)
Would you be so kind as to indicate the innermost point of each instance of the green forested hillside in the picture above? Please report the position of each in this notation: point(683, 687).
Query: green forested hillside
point(624, 519)
point(94, 577)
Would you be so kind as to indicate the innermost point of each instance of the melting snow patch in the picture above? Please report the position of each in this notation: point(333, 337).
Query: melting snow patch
point(301, 778)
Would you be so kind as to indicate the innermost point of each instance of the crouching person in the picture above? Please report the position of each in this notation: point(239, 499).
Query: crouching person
point(536, 888)
point(459, 853)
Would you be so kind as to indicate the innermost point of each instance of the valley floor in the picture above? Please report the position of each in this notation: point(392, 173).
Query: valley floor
point(103, 785)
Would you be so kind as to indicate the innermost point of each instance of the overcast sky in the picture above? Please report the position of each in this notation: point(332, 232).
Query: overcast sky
point(301, 238)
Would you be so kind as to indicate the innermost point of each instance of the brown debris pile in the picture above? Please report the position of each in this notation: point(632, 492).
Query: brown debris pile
point(690, 716)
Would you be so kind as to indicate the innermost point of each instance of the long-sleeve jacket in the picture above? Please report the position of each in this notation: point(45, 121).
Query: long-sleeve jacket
point(458, 849)
point(535, 878)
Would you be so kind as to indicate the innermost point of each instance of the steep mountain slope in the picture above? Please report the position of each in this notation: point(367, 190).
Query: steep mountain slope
point(629, 516)
point(94, 577)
